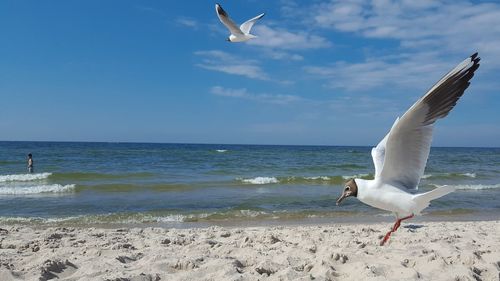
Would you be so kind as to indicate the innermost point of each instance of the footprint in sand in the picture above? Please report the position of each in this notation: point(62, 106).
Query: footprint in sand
point(126, 259)
point(56, 269)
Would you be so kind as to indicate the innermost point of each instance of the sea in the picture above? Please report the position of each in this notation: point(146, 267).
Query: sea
point(186, 185)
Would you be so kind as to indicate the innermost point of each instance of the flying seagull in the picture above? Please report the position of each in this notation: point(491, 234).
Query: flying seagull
point(238, 34)
point(401, 156)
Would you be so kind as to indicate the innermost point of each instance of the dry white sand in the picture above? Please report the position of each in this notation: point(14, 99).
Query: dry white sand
point(423, 251)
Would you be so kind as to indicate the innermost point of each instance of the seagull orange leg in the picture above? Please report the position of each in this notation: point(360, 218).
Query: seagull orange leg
point(394, 228)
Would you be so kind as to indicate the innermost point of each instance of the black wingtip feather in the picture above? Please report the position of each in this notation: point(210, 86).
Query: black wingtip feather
point(442, 100)
point(220, 10)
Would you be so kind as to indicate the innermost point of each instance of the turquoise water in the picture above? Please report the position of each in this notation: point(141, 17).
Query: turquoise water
point(132, 183)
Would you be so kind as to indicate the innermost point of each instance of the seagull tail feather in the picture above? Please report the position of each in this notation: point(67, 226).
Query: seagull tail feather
point(434, 194)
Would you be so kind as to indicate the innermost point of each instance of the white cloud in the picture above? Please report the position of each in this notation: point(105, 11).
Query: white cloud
point(264, 98)
point(280, 38)
point(433, 37)
point(412, 71)
point(282, 55)
point(368, 106)
point(445, 26)
point(230, 64)
point(188, 22)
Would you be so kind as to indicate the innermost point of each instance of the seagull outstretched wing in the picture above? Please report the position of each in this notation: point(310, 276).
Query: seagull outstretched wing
point(400, 157)
point(247, 26)
point(226, 20)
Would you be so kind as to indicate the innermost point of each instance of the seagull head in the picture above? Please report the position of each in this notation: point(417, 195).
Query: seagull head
point(350, 189)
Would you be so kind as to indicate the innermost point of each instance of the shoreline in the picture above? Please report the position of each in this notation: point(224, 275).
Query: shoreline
point(348, 219)
point(458, 250)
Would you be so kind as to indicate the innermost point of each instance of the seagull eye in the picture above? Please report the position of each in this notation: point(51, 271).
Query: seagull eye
point(347, 188)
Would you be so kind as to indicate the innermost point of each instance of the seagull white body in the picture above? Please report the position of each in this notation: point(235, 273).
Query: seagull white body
point(400, 158)
point(238, 34)
point(393, 199)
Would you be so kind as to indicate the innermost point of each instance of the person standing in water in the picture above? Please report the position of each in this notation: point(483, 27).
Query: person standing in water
point(30, 163)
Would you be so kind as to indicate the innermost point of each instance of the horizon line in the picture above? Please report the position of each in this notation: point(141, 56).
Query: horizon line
point(206, 143)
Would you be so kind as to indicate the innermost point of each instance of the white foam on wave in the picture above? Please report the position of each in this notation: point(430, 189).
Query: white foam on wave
point(470, 175)
point(355, 176)
point(221, 150)
point(24, 177)
point(325, 178)
point(250, 213)
point(261, 180)
point(171, 218)
point(38, 219)
point(472, 186)
point(38, 189)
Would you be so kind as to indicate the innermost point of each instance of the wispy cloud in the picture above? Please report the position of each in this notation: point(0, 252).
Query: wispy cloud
point(187, 22)
point(280, 38)
point(242, 93)
point(445, 26)
point(433, 37)
point(282, 55)
point(367, 106)
point(312, 109)
point(230, 64)
point(406, 71)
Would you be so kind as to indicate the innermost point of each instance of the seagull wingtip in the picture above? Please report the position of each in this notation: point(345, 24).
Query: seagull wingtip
point(475, 58)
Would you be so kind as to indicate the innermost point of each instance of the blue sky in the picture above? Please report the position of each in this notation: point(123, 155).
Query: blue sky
point(329, 72)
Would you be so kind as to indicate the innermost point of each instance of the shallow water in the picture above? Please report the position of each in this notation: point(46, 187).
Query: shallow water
point(128, 183)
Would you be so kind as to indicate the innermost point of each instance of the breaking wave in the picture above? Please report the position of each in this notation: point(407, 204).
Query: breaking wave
point(334, 180)
point(261, 180)
point(473, 186)
point(449, 176)
point(24, 177)
point(152, 217)
point(38, 189)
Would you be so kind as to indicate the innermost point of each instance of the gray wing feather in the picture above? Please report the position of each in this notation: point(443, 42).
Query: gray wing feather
point(247, 26)
point(226, 20)
point(407, 145)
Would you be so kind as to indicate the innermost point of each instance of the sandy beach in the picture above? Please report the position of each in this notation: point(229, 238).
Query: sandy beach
point(419, 251)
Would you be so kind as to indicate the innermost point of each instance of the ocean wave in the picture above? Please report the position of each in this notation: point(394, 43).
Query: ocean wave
point(24, 177)
point(261, 180)
point(126, 187)
point(155, 217)
point(77, 176)
point(358, 176)
point(221, 150)
point(38, 189)
point(449, 176)
point(324, 178)
point(472, 186)
point(348, 166)
point(334, 180)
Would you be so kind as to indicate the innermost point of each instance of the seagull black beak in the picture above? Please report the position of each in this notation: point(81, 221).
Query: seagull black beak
point(342, 197)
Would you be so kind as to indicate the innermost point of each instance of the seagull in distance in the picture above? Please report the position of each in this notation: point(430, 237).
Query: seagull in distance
point(238, 34)
point(401, 156)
